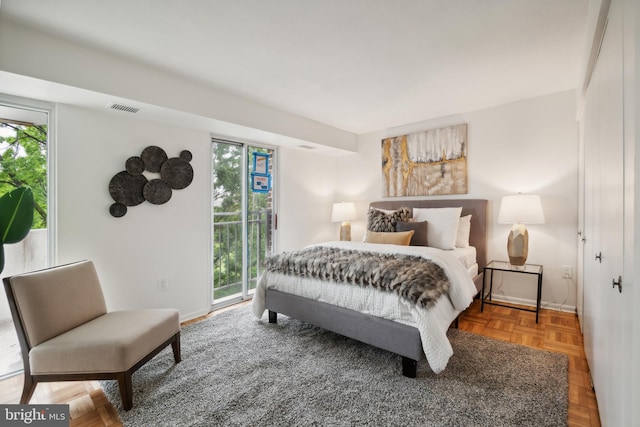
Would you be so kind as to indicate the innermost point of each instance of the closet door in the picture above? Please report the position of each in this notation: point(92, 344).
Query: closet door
point(604, 203)
point(612, 220)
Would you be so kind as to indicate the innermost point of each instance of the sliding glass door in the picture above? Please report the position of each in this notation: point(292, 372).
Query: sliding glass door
point(243, 218)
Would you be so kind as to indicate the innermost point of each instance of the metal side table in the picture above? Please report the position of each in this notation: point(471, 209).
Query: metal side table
point(505, 266)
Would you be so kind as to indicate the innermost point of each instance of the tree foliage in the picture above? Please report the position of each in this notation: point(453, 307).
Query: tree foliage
point(23, 163)
point(227, 181)
point(227, 194)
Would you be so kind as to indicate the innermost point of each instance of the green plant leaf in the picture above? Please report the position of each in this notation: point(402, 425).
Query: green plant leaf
point(16, 215)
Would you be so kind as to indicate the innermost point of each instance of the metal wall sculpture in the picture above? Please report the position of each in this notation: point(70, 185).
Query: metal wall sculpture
point(131, 187)
point(425, 163)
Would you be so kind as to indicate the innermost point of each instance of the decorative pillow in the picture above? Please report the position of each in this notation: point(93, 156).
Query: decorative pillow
point(442, 225)
point(420, 231)
point(401, 238)
point(464, 229)
point(385, 221)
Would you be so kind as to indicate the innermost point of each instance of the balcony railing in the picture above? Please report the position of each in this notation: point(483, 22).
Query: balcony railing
point(227, 250)
point(27, 255)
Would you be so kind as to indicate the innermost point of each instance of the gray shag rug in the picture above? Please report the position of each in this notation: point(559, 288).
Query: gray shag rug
point(239, 371)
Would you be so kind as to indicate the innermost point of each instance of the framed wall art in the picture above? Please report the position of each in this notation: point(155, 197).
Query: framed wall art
point(261, 163)
point(431, 162)
point(260, 183)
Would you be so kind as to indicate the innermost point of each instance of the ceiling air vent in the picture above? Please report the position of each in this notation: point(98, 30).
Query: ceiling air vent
point(125, 108)
point(307, 147)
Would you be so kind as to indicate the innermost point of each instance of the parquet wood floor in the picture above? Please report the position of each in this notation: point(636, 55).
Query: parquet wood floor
point(556, 331)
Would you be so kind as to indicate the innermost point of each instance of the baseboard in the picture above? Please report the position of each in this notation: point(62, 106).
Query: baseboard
point(193, 315)
point(531, 303)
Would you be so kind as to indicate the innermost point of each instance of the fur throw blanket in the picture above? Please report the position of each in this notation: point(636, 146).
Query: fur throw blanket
point(415, 279)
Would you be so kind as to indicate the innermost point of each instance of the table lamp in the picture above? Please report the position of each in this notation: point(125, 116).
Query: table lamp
point(344, 212)
point(520, 209)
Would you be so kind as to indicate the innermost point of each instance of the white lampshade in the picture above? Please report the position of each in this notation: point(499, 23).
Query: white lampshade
point(521, 209)
point(344, 211)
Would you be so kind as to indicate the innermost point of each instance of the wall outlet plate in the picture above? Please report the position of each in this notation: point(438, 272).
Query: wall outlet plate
point(567, 272)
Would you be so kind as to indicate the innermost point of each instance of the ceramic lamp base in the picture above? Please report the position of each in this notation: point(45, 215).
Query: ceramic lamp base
point(345, 231)
point(518, 245)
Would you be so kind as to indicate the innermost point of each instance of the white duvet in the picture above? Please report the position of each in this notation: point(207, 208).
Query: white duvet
point(432, 323)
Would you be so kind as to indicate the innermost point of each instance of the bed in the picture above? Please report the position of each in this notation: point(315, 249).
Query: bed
point(379, 318)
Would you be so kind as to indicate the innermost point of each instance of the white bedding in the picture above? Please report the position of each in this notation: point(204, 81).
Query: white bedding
point(432, 323)
point(466, 255)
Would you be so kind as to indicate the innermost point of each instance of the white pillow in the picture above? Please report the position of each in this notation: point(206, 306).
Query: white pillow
point(464, 229)
point(442, 225)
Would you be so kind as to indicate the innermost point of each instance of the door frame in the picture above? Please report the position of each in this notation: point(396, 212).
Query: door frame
point(52, 181)
point(246, 294)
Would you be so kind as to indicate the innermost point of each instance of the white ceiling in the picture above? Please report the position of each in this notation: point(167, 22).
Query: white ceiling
point(357, 65)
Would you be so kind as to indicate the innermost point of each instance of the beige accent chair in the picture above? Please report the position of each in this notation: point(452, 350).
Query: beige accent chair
point(66, 333)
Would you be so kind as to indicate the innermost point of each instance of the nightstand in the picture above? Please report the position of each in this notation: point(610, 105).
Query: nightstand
point(505, 266)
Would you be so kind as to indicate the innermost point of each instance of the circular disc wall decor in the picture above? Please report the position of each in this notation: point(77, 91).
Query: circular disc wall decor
point(130, 187)
point(134, 165)
point(127, 189)
point(177, 173)
point(186, 155)
point(117, 210)
point(157, 192)
point(153, 158)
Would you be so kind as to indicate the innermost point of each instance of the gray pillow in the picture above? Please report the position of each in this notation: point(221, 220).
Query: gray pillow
point(385, 221)
point(420, 231)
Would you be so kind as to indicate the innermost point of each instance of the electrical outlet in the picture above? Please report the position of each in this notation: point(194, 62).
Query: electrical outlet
point(163, 285)
point(567, 272)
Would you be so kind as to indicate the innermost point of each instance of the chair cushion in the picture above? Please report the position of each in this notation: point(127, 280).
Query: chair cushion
point(113, 342)
point(55, 300)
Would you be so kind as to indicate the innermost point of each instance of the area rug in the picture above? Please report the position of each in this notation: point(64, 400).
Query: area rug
point(240, 371)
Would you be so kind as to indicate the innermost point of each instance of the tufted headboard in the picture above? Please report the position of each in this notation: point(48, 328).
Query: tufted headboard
point(477, 208)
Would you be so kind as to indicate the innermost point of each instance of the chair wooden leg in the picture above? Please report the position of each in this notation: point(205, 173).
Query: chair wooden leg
point(126, 390)
point(175, 345)
point(28, 389)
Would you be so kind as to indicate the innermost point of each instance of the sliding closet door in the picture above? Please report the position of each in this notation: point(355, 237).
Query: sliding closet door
point(243, 218)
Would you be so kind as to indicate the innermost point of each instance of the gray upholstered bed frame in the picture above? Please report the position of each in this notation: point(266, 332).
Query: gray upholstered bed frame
point(398, 338)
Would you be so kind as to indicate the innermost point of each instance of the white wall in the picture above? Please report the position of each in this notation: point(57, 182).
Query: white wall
point(529, 146)
point(151, 241)
point(307, 183)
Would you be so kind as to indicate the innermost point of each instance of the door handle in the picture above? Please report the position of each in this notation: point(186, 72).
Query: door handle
point(599, 257)
point(618, 283)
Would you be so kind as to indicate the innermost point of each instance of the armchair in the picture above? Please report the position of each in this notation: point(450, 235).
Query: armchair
point(67, 334)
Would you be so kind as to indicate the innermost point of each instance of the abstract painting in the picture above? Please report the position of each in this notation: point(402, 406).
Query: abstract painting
point(431, 162)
